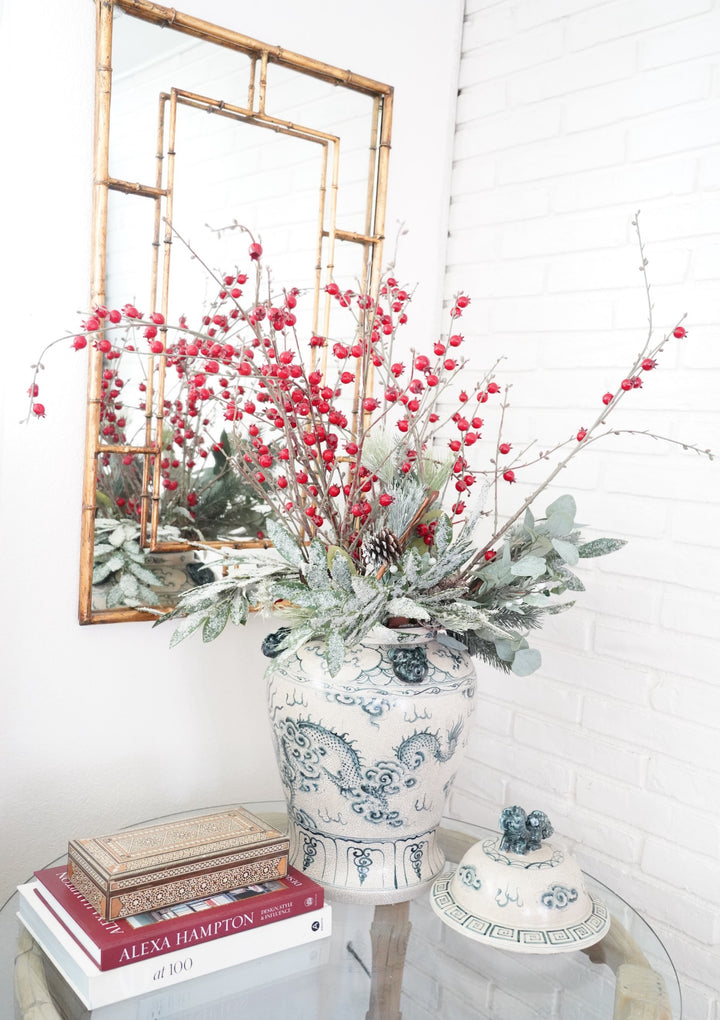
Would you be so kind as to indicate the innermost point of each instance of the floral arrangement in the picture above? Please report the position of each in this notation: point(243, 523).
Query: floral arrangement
point(363, 456)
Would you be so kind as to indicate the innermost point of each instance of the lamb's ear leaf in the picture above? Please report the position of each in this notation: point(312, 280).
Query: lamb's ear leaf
point(600, 547)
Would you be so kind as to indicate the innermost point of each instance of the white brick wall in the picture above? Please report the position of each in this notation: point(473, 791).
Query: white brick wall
point(571, 115)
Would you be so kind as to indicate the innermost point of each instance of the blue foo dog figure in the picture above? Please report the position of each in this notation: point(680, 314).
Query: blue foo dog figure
point(523, 833)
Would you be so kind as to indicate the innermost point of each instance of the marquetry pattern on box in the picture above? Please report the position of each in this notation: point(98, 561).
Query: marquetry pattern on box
point(143, 869)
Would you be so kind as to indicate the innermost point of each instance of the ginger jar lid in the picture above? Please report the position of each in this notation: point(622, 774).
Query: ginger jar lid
point(516, 892)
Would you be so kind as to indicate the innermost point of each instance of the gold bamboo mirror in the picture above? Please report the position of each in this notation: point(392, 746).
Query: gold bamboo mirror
point(205, 141)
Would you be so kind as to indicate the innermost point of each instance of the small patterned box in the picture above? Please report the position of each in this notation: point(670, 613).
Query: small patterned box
point(143, 869)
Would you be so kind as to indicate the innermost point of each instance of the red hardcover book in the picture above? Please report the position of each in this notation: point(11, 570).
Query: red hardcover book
point(117, 943)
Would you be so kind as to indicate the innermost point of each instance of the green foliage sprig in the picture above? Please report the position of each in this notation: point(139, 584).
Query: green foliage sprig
point(320, 593)
point(390, 551)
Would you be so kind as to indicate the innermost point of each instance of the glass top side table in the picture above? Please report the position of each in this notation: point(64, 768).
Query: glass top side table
point(380, 964)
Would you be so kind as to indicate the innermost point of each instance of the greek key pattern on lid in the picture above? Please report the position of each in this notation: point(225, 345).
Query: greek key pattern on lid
point(530, 937)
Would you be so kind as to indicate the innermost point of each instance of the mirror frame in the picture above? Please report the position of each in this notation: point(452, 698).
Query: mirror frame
point(371, 239)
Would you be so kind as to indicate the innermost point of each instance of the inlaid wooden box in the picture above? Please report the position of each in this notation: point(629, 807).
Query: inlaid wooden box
point(143, 869)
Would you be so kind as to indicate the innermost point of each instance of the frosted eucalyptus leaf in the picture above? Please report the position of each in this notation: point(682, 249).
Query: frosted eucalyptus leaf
point(529, 566)
point(562, 505)
point(567, 550)
point(204, 595)
point(526, 661)
point(541, 546)
point(294, 592)
point(115, 597)
point(365, 589)
point(407, 607)
point(325, 598)
point(505, 649)
point(133, 553)
point(335, 652)
point(215, 623)
point(111, 565)
point(600, 547)
point(317, 570)
point(560, 525)
point(147, 597)
point(103, 570)
point(341, 571)
point(129, 585)
point(443, 533)
point(143, 574)
point(185, 628)
point(121, 534)
point(285, 544)
point(239, 609)
point(462, 616)
point(445, 596)
point(496, 572)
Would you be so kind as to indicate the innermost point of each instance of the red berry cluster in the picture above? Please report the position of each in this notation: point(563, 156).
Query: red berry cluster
point(298, 431)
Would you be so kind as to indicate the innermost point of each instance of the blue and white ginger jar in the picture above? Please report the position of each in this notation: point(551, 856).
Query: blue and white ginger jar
point(367, 760)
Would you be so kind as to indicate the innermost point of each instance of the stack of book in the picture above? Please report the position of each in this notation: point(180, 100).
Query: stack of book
point(107, 959)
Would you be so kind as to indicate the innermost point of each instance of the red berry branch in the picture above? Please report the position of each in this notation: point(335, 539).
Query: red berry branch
point(243, 387)
point(645, 361)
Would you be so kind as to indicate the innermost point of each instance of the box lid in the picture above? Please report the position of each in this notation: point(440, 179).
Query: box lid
point(134, 852)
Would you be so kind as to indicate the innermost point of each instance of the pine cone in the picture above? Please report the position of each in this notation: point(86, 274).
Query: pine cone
point(380, 550)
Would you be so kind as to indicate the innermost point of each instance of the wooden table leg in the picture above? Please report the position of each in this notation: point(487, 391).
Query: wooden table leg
point(389, 934)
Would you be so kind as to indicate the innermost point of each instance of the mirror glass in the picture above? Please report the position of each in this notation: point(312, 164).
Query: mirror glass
point(206, 142)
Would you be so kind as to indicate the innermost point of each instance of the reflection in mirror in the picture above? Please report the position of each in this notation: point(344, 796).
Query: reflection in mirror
point(207, 142)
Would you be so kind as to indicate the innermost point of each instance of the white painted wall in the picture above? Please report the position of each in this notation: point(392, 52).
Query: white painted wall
point(103, 726)
point(572, 115)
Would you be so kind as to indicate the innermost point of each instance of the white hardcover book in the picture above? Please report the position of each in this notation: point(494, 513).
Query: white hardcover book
point(258, 988)
point(98, 988)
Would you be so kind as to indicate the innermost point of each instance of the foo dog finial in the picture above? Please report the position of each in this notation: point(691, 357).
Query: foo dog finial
point(523, 833)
